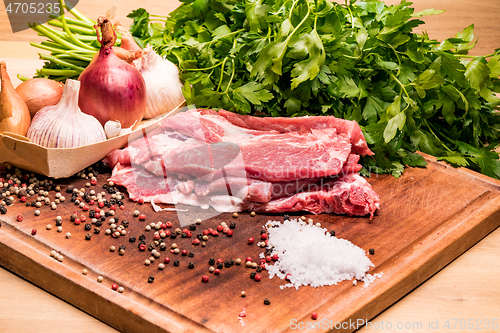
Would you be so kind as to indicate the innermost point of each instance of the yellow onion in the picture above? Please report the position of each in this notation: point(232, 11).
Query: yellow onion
point(40, 92)
point(14, 113)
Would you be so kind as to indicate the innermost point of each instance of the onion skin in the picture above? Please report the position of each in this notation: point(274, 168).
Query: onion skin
point(110, 88)
point(38, 93)
point(14, 114)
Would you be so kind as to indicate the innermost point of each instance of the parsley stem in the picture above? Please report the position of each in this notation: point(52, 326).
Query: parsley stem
point(434, 134)
point(400, 84)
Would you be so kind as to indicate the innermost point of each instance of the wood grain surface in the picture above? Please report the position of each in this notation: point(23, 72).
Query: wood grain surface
point(429, 217)
point(465, 289)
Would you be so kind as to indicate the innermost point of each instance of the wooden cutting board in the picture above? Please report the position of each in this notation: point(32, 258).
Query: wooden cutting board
point(428, 217)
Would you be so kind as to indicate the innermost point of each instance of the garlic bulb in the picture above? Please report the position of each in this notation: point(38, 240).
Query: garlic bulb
point(163, 86)
point(64, 125)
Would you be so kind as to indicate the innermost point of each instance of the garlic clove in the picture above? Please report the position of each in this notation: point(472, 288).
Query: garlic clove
point(112, 128)
point(14, 113)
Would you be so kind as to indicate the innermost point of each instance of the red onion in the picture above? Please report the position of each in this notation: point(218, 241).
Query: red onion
point(110, 88)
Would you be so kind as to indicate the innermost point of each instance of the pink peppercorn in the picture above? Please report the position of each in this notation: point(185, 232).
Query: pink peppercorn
point(314, 316)
point(77, 221)
point(249, 259)
point(83, 218)
point(288, 277)
point(23, 199)
point(225, 230)
point(101, 204)
point(217, 271)
point(113, 207)
point(20, 217)
point(142, 247)
point(156, 237)
point(33, 232)
point(206, 233)
point(275, 257)
point(163, 226)
point(219, 228)
point(257, 277)
point(93, 182)
point(251, 240)
point(122, 207)
point(184, 252)
point(114, 286)
point(229, 233)
point(166, 261)
point(140, 201)
point(215, 233)
point(169, 224)
point(91, 202)
point(220, 261)
point(196, 241)
point(142, 217)
point(263, 236)
point(97, 215)
point(268, 258)
point(204, 278)
point(189, 234)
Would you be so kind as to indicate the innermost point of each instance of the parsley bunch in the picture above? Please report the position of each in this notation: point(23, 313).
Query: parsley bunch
point(359, 61)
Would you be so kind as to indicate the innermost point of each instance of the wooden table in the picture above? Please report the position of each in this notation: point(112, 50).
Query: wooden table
point(467, 289)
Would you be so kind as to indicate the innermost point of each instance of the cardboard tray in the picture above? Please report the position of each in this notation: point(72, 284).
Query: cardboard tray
point(65, 162)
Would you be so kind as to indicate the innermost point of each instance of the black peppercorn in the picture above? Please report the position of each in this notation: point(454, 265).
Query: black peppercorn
point(267, 301)
point(332, 233)
point(151, 279)
point(220, 265)
point(192, 227)
point(125, 223)
point(88, 226)
point(131, 239)
point(151, 246)
point(191, 254)
point(103, 218)
point(252, 275)
point(232, 225)
point(211, 261)
point(163, 247)
point(199, 236)
point(191, 265)
point(176, 262)
point(33, 203)
point(173, 235)
point(28, 204)
point(227, 264)
point(92, 213)
point(258, 269)
point(3, 209)
point(286, 217)
point(98, 223)
point(70, 189)
point(8, 202)
point(184, 235)
point(262, 231)
point(371, 251)
point(88, 236)
point(142, 237)
point(58, 223)
point(106, 214)
point(121, 247)
point(97, 231)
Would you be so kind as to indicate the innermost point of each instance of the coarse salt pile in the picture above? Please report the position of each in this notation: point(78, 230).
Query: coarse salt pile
point(309, 255)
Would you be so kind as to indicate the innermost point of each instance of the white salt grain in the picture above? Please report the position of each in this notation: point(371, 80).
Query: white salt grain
point(313, 257)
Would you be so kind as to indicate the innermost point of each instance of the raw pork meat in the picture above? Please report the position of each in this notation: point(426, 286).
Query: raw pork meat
point(235, 163)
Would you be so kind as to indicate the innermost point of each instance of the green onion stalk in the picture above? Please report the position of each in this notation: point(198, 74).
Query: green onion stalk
point(71, 41)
